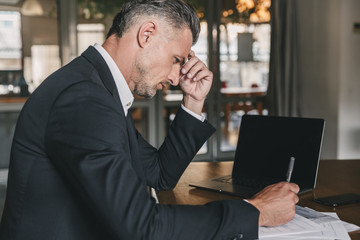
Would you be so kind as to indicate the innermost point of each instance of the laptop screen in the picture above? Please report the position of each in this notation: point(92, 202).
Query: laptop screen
point(266, 144)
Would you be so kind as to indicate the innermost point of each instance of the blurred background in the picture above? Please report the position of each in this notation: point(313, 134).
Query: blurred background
point(279, 57)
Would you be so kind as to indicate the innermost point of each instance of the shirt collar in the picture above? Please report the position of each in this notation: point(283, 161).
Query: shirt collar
point(124, 91)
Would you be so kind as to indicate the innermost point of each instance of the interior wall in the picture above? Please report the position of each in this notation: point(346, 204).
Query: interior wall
point(38, 31)
point(349, 104)
point(319, 23)
point(329, 65)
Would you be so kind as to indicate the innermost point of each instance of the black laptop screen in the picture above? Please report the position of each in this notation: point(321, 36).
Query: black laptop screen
point(266, 144)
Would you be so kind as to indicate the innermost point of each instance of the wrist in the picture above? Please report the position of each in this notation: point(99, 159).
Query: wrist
point(192, 104)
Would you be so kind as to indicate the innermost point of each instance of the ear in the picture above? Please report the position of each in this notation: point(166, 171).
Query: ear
point(146, 33)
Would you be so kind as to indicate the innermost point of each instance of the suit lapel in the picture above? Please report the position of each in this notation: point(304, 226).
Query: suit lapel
point(95, 58)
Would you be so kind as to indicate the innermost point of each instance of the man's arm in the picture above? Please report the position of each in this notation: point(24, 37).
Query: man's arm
point(163, 167)
point(276, 203)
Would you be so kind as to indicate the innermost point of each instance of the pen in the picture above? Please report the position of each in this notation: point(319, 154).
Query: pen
point(290, 169)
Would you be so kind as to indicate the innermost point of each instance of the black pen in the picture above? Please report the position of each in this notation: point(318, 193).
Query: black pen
point(290, 169)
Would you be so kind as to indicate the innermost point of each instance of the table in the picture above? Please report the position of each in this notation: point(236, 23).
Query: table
point(12, 104)
point(334, 177)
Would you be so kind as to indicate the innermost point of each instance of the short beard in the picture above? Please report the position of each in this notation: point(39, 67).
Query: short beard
point(142, 87)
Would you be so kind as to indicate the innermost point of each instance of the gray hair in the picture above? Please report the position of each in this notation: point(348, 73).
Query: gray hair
point(177, 13)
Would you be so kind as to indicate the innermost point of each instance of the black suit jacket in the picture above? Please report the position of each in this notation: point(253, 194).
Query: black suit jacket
point(80, 170)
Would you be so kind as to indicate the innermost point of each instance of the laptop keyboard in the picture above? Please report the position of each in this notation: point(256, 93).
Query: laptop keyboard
point(245, 181)
point(225, 179)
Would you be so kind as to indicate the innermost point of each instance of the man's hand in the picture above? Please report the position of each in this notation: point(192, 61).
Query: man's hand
point(195, 81)
point(276, 203)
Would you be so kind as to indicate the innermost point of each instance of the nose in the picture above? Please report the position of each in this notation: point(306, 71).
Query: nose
point(174, 76)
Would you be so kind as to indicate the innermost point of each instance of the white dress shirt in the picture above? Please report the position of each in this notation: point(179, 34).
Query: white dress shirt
point(124, 91)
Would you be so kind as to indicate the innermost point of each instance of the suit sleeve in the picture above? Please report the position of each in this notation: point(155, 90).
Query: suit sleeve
point(164, 167)
point(86, 139)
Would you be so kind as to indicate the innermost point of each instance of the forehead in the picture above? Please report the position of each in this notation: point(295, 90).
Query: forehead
point(181, 42)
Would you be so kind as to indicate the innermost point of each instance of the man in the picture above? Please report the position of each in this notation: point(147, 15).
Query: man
point(80, 170)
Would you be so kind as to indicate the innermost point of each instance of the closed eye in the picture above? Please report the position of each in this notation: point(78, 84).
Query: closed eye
point(176, 60)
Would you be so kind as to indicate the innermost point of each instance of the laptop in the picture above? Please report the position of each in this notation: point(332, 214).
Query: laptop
point(265, 148)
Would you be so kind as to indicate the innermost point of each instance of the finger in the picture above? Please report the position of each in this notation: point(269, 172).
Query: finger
point(296, 199)
point(278, 186)
point(191, 54)
point(291, 186)
point(192, 73)
point(294, 187)
point(182, 77)
point(189, 64)
point(203, 75)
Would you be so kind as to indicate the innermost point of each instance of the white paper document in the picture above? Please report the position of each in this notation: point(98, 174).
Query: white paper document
point(315, 216)
point(298, 225)
point(307, 224)
point(348, 226)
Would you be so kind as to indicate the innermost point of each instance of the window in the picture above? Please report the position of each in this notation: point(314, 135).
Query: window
point(88, 34)
point(244, 53)
point(45, 60)
point(244, 72)
point(10, 41)
point(10, 52)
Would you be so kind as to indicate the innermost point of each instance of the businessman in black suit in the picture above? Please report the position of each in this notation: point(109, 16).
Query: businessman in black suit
point(80, 170)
